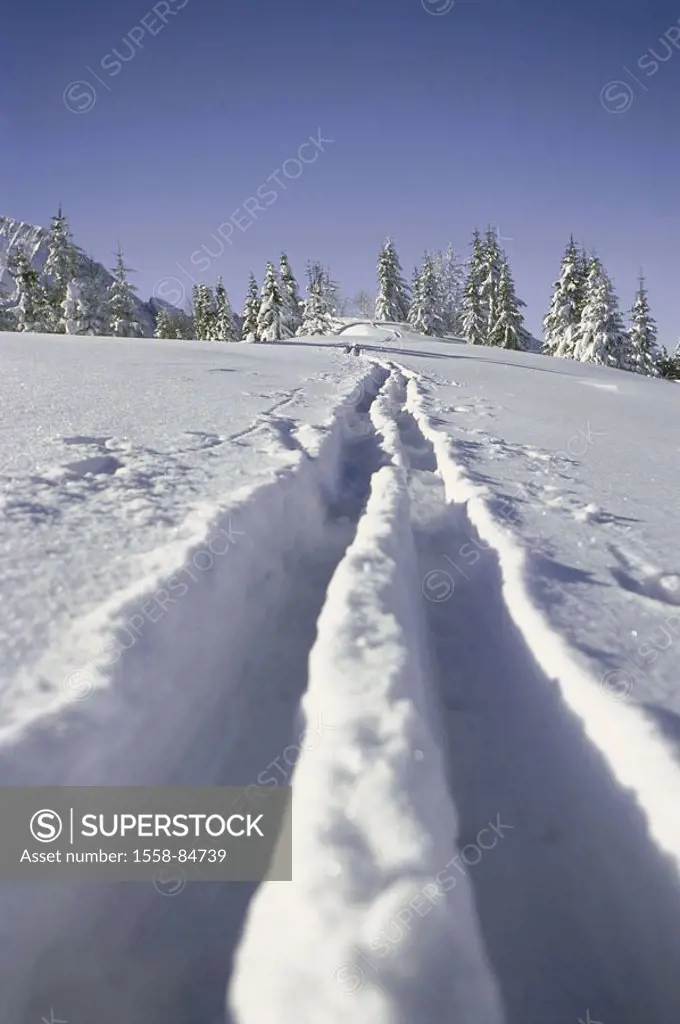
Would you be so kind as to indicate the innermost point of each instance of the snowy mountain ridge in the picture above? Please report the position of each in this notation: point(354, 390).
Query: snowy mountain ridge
point(16, 234)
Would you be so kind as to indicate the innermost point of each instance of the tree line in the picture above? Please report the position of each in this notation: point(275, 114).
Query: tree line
point(69, 296)
point(473, 299)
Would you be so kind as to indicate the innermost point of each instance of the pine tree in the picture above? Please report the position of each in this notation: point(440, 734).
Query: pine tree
point(492, 263)
point(61, 266)
point(562, 322)
point(424, 315)
point(32, 311)
point(165, 325)
point(393, 300)
point(250, 312)
point(270, 315)
point(668, 364)
point(318, 318)
point(601, 336)
point(122, 323)
point(203, 312)
point(85, 308)
point(223, 328)
point(449, 274)
point(641, 350)
point(507, 331)
point(474, 315)
point(292, 304)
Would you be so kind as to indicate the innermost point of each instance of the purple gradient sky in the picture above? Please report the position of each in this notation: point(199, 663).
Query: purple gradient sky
point(490, 113)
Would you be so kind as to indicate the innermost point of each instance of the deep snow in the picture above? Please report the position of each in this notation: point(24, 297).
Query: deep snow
point(461, 561)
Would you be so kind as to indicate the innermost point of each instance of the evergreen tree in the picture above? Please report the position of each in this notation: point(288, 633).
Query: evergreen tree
point(85, 307)
point(562, 322)
point(449, 274)
point(203, 311)
point(270, 315)
point(173, 325)
point(492, 263)
point(121, 299)
point(393, 300)
point(507, 331)
point(250, 312)
point(318, 318)
point(474, 316)
point(165, 325)
point(32, 311)
point(642, 355)
point(601, 336)
point(223, 328)
point(424, 315)
point(668, 364)
point(61, 266)
point(292, 304)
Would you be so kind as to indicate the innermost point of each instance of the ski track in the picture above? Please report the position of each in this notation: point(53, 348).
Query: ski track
point(340, 559)
point(579, 908)
point(132, 954)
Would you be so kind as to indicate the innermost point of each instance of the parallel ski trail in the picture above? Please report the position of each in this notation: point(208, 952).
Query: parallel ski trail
point(124, 952)
point(579, 910)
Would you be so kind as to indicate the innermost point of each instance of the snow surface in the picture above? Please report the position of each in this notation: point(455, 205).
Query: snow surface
point(436, 586)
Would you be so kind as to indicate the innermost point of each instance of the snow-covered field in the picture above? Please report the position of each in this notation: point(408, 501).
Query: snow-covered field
point(437, 586)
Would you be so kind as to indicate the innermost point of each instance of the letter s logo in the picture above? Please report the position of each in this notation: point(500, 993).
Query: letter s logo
point(46, 826)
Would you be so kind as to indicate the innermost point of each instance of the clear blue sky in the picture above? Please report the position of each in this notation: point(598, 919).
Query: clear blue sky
point(489, 113)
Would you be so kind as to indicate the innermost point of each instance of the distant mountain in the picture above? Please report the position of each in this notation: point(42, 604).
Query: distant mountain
point(17, 234)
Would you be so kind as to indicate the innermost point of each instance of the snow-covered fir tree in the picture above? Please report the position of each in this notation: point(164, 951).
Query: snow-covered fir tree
point(222, 325)
point(292, 304)
point(507, 331)
point(317, 318)
point(562, 321)
point(250, 312)
point(642, 349)
point(393, 300)
point(173, 325)
point(85, 308)
point(203, 312)
point(270, 315)
point(475, 326)
point(601, 337)
point(165, 325)
point(668, 363)
point(32, 311)
point(122, 320)
point(425, 315)
point(449, 271)
point(492, 264)
point(61, 266)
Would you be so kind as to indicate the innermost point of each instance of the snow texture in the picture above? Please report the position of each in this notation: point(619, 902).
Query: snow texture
point(436, 586)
